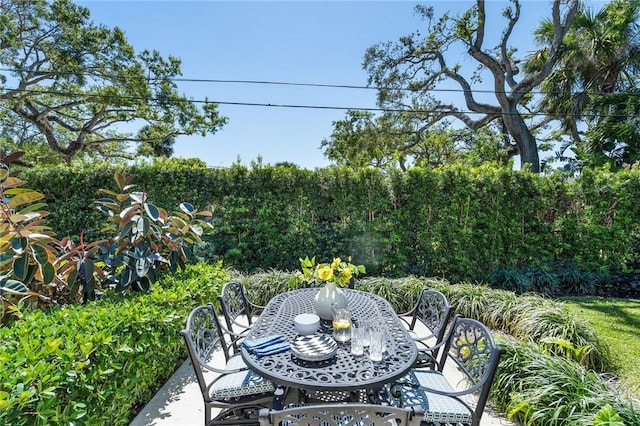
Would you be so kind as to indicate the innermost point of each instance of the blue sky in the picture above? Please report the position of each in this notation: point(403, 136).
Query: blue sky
point(318, 42)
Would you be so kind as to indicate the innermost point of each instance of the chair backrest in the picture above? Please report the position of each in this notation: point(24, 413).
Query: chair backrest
point(471, 346)
point(204, 338)
point(342, 415)
point(433, 310)
point(234, 303)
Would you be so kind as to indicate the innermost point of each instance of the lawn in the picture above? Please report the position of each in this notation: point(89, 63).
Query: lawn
point(618, 322)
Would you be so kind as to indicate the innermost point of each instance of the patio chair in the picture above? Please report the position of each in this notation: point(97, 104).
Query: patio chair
point(237, 309)
point(433, 311)
point(225, 381)
point(448, 399)
point(341, 415)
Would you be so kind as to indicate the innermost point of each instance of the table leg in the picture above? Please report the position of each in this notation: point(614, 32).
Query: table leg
point(278, 398)
point(378, 396)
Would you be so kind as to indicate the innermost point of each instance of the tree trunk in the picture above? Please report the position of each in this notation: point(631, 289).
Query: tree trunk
point(525, 141)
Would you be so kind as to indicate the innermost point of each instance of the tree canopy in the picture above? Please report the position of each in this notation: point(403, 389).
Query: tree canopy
point(595, 88)
point(406, 72)
point(80, 87)
point(399, 141)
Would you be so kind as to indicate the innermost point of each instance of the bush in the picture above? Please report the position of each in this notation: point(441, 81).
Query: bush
point(96, 364)
point(536, 388)
point(462, 223)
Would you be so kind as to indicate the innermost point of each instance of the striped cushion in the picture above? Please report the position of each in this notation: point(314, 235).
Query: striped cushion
point(242, 383)
point(437, 408)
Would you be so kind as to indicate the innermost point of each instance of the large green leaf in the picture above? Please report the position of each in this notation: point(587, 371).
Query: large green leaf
point(187, 207)
point(152, 211)
point(126, 277)
point(138, 197)
point(4, 259)
point(21, 266)
point(4, 172)
point(13, 287)
point(120, 179)
point(73, 277)
point(85, 269)
point(19, 245)
point(24, 198)
point(35, 207)
point(39, 253)
point(108, 203)
point(126, 229)
point(48, 272)
point(607, 416)
point(142, 226)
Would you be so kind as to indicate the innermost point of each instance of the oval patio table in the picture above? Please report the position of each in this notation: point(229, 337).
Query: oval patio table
point(344, 371)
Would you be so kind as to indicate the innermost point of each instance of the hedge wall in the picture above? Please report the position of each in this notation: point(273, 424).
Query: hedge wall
point(460, 223)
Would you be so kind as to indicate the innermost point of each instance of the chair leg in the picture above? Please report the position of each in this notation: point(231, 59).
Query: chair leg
point(237, 416)
point(207, 414)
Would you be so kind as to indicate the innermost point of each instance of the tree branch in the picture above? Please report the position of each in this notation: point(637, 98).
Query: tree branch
point(506, 60)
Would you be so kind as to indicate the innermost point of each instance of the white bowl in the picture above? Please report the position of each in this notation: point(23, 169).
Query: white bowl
point(306, 323)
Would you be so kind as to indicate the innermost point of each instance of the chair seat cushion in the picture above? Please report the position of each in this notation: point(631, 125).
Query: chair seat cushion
point(239, 384)
point(437, 408)
point(235, 362)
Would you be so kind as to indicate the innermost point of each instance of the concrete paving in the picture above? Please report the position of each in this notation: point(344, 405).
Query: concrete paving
point(179, 402)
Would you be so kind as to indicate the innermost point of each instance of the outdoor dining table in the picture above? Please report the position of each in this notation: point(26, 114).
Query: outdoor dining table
point(344, 371)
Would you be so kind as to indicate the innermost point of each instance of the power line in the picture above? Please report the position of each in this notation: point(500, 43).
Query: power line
point(288, 83)
point(297, 106)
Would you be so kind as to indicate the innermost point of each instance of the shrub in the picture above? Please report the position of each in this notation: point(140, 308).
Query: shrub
point(39, 270)
point(96, 364)
point(536, 388)
point(462, 223)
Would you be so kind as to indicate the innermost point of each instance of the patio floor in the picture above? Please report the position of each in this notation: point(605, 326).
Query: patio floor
point(179, 403)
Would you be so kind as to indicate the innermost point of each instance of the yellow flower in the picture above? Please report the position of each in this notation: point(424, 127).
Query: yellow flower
point(325, 273)
point(337, 271)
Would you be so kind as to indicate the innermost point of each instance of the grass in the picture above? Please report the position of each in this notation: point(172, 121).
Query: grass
point(617, 321)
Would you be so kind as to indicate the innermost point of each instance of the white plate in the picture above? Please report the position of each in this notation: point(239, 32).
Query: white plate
point(317, 347)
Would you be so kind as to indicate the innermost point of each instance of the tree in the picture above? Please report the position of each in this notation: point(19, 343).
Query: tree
point(594, 88)
point(615, 138)
point(78, 84)
point(397, 140)
point(359, 141)
point(406, 72)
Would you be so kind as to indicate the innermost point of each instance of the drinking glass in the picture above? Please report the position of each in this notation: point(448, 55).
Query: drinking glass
point(376, 343)
point(366, 325)
point(357, 339)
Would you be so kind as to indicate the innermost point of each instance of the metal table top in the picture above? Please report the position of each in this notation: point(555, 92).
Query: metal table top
point(344, 371)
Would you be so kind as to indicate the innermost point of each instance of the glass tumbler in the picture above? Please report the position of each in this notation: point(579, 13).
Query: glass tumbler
point(376, 343)
point(357, 339)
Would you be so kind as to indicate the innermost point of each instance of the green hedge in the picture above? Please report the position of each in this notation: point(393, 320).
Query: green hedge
point(460, 223)
point(98, 364)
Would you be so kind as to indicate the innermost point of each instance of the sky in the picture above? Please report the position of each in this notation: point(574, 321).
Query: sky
point(308, 42)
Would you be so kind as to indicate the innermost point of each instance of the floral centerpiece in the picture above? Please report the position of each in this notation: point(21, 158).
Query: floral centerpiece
point(336, 274)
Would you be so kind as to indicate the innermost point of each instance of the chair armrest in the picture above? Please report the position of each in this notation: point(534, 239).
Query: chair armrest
point(255, 306)
point(235, 336)
point(398, 394)
point(430, 336)
point(222, 371)
point(403, 317)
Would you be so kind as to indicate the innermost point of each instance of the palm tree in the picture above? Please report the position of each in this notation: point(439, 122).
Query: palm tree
point(601, 60)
